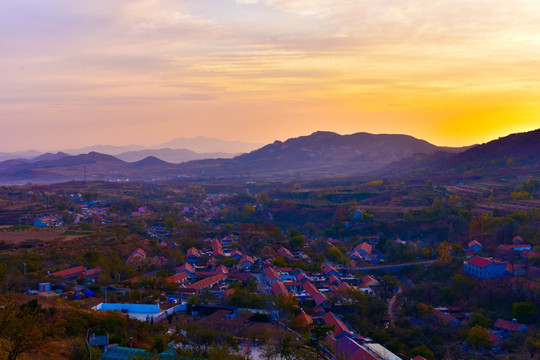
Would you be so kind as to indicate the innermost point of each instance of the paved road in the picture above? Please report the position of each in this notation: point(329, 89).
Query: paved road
point(396, 266)
point(261, 284)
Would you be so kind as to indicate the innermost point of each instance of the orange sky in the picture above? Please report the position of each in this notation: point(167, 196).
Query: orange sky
point(146, 71)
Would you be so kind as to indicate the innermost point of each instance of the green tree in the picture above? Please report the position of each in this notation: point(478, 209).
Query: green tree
point(422, 350)
point(524, 311)
point(169, 223)
point(21, 327)
point(479, 319)
point(319, 331)
point(388, 284)
point(263, 198)
point(478, 337)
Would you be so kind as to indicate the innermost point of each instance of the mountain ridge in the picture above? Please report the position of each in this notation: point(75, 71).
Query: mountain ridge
point(319, 155)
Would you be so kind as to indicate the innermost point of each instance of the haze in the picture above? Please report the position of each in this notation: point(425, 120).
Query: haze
point(145, 71)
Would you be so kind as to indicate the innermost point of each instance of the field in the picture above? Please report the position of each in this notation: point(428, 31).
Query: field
point(16, 237)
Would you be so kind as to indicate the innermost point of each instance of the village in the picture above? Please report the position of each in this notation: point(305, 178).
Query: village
point(295, 284)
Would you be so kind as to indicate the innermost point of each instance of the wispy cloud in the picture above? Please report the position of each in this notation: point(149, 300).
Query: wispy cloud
point(202, 64)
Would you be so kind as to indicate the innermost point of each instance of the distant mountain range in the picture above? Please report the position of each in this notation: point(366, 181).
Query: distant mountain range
point(203, 144)
point(176, 151)
point(319, 155)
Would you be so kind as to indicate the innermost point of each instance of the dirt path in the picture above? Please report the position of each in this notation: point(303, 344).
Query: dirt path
point(391, 303)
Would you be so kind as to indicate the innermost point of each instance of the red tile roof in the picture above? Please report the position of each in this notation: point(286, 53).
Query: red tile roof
point(474, 242)
point(480, 261)
point(333, 279)
point(187, 267)
point(364, 247)
point(509, 325)
point(284, 252)
point(279, 288)
point(351, 350)
point(314, 293)
point(208, 282)
point(192, 251)
point(177, 278)
point(303, 319)
point(91, 272)
point(370, 280)
point(271, 274)
point(140, 252)
point(69, 272)
point(331, 319)
point(328, 268)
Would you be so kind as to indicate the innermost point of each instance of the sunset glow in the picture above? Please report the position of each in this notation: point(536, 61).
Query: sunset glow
point(146, 71)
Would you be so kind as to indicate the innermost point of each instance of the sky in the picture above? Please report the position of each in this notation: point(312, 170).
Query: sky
point(79, 73)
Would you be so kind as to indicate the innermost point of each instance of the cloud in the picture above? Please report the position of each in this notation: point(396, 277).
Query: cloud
point(227, 58)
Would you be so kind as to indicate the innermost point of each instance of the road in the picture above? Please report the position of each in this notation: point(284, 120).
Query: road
point(396, 266)
point(261, 284)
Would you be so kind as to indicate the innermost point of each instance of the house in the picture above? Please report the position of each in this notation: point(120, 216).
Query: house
point(247, 262)
point(69, 274)
point(505, 249)
point(446, 318)
point(517, 240)
point(279, 288)
point(314, 293)
point(506, 326)
point(329, 270)
point(48, 221)
point(303, 319)
point(381, 352)
point(370, 280)
point(187, 268)
point(178, 278)
point(357, 214)
point(365, 289)
point(89, 275)
point(271, 275)
point(136, 257)
point(334, 280)
point(192, 255)
point(236, 254)
point(285, 253)
point(339, 326)
point(362, 251)
point(350, 349)
point(484, 268)
point(217, 252)
point(208, 282)
point(475, 246)
point(127, 353)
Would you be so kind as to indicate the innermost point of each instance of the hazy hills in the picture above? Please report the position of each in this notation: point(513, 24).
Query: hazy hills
point(319, 155)
point(175, 156)
point(176, 151)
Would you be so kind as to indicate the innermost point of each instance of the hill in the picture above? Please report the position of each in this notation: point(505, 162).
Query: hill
point(317, 155)
point(175, 156)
